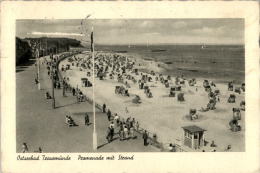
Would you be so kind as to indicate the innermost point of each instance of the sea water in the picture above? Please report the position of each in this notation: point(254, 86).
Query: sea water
point(221, 63)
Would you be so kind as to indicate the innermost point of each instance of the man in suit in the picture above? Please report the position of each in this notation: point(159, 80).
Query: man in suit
point(145, 137)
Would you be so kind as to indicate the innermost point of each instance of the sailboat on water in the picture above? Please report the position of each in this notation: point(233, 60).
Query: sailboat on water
point(203, 46)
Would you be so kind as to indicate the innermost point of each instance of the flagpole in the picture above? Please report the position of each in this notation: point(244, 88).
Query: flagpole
point(93, 93)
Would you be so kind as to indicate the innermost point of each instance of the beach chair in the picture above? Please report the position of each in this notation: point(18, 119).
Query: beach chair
point(136, 100)
point(236, 114)
point(205, 83)
point(237, 90)
point(117, 89)
point(212, 104)
point(172, 94)
point(193, 114)
point(234, 126)
point(230, 86)
point(167, 85)
point(208, 88)
point(182, 82)
point(178, 88)
point(243, 105)
point(243, 87)
point(216, 92)
point(232, 98)
point(180, 97)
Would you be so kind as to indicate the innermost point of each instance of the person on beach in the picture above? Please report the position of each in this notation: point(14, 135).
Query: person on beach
point(36, 80)
point(73, 91)
point(137, 126)
point(112, 125)
point(109, 114)
point(24, 148)
point(108, 135)
point(86, 119)
point(58, 85)
point(47, 95)
point(104, 108)
point(116, 119)
point(145, 138)
point(121, 133)
point(131, 132)
point(171, 148)
point(125, 132)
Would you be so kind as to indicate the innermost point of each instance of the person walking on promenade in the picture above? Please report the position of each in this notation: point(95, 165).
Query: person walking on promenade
point(111, 133)
point(108, 137)
point(121, 132)
point(137, 126)
point(108, 114)
point(24, 148)
point(86, 119)
point(145, 137)
point(132, 132)
point(125, 132)
point(73, 91)
point(111, 125)
point(116, 118)
point(104, 108)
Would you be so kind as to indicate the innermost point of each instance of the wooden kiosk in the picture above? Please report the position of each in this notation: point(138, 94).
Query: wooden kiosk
point(193, 136)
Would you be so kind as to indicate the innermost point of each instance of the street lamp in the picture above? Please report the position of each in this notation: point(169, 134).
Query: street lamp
point(52, 82)
point(93, 85)
point(93, 93)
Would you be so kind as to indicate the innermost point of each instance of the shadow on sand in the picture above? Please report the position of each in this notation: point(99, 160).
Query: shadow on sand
point(65, 105)
point(100, 146)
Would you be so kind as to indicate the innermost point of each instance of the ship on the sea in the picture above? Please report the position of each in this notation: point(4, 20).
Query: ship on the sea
point(158, 50)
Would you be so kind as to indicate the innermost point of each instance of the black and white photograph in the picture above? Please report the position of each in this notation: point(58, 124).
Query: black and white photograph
point(158, 85)
point(127, 86)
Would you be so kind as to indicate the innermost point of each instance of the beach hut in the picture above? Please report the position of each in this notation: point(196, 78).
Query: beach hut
point(180, 97)
point(193, 136)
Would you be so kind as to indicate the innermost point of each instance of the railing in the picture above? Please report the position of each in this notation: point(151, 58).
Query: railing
point(151, 136)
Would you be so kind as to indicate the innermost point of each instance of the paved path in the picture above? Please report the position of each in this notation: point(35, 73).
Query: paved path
point(40, 126)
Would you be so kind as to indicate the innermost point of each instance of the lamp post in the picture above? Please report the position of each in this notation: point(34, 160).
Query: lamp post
point(93, 93)
point(52, 84)
point(38, 67)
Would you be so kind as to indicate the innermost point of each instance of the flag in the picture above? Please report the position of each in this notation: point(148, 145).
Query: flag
point(92, 43)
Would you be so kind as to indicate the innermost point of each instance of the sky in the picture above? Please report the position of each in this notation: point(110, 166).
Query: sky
point(138, 31)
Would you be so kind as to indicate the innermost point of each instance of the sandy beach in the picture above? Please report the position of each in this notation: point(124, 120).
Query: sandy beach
point(164, 115)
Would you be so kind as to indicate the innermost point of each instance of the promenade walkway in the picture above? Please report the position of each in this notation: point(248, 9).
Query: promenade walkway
point(39, 125)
